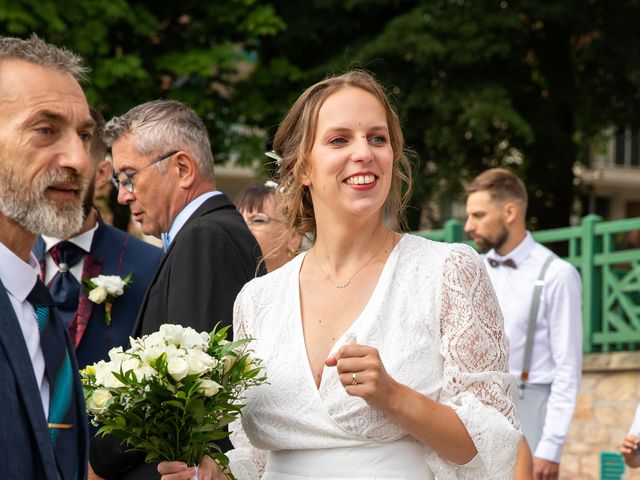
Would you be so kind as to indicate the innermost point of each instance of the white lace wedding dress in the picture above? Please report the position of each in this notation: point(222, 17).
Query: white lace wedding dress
point(435, 320)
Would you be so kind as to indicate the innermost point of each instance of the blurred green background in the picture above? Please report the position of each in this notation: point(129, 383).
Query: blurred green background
point(531, 85)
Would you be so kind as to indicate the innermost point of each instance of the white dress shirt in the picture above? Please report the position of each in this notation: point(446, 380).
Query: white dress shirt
point(83, 241)
point(557, 346)
point(186, 213)
point(19, 278)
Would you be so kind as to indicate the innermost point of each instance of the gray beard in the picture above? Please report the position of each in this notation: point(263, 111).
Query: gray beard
point(35, 213)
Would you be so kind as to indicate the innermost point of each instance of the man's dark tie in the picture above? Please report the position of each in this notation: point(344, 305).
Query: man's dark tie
point(64, 287)
point(63, 417)
point(507, 262)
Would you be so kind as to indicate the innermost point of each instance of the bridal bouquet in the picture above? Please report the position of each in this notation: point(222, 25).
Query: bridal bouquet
point(172, 393)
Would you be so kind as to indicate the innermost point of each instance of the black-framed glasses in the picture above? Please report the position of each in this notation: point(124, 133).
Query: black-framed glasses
point(258, 219)
point(125, 179)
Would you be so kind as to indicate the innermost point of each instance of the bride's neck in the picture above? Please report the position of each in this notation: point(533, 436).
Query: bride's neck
point(342, 247)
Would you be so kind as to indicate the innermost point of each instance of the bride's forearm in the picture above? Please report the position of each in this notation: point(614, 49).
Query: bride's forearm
point(432, 423)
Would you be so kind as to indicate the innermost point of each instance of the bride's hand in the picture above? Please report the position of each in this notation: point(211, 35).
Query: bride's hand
point(207, 470)
point(363, 375)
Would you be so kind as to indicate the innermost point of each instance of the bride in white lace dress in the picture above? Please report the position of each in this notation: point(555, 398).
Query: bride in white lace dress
point(385, 353)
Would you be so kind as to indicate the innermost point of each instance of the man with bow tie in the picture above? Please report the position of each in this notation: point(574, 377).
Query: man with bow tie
point(96, 249)
point(540, 299)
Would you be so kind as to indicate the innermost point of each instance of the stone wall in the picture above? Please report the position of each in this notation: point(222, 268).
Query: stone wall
point(609, 395)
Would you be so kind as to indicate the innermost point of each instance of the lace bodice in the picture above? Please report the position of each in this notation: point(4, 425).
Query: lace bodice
point(435, 320)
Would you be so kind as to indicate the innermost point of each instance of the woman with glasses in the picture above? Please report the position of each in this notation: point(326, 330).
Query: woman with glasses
point(260, 205)
point(385, 353)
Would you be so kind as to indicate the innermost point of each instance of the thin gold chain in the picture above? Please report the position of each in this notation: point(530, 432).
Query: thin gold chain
point(348, 282)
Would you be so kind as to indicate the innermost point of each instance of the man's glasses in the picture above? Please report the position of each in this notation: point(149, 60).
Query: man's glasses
point(258, 219)
point(125, 179)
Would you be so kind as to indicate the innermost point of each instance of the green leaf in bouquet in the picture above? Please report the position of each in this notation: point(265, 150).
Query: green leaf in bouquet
point(254, 372)
point(197, 410)
point(174, 403)
point(160, 364)
point(217, 335)
point(208, 436)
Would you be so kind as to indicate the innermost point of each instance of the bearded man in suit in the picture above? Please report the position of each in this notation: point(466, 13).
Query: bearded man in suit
point(45, 136)
point(164, 170)
point(101, 250)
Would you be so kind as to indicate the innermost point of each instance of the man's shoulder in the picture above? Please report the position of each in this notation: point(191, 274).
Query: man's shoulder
point(559, 267)
point(118, 236)
point(223, 218)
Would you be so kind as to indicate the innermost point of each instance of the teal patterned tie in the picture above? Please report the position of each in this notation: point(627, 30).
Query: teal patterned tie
point(63, 431)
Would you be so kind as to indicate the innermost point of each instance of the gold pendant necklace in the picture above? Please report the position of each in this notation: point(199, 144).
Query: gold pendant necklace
point(348, 282)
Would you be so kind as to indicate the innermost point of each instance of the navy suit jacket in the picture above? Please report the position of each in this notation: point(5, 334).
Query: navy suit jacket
point(25, 450)
point(113, 252)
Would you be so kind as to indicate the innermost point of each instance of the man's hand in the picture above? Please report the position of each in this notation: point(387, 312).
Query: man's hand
point(629, 450)
point(544, 469)
point(92, 475)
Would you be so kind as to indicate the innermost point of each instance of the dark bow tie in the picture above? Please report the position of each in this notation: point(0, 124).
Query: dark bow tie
point(508, 262)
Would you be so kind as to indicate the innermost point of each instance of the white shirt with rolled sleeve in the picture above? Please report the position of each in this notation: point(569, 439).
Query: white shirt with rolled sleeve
point(557, 347)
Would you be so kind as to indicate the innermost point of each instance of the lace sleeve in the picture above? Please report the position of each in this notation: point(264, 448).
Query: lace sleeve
point(476, 382)
point(245, 461)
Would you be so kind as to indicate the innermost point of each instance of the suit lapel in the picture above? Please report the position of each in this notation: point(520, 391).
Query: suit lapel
point(13, 343)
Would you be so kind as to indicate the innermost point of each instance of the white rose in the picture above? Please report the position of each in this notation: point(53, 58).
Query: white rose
point(177, 368)
point(151, 353)
point(116, 354)
point(172, 333)
point(98, 295)
point(130, 363)
point(154, 339)
point(99, 400)
point(145, 371)
point(113, 284)
point(227, 362)
point(199, 362)
point(209, 388)
point(192, 339)
point(104, 375)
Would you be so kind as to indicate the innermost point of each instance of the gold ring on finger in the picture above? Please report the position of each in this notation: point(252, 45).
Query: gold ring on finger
point(354, 379)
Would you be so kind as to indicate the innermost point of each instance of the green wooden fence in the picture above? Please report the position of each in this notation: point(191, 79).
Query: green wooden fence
point(610, 270)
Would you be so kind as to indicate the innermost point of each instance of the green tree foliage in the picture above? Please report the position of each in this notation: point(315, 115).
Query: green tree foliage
point(477, 83)
point(520, 83)
point(194, 51)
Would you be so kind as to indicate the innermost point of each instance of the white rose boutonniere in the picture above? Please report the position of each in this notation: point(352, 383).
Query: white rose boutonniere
point(105, 289)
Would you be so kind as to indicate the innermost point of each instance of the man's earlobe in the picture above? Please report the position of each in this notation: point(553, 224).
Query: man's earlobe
point(104, 170)
point(511, 211)
point(185, 165)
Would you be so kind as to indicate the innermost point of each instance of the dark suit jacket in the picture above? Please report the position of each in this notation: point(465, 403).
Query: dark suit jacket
point(113, 252)
point(196, 284)
point(25, 451)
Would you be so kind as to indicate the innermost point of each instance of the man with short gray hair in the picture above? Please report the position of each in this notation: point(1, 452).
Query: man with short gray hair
point(164, 171)
point(45, 136)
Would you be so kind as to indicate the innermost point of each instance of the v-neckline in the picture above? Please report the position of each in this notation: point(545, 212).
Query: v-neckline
point(373, 299)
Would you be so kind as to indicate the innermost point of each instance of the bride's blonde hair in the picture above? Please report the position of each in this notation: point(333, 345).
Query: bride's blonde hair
point(294, 140)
